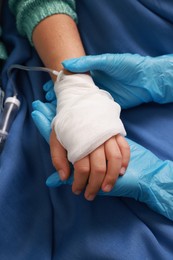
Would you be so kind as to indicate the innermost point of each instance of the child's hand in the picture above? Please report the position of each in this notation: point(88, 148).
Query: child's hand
point(99, 170)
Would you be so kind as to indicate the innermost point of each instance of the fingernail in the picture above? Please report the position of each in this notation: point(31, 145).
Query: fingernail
point(108, 188)
point(122, 170)
point(90, 197)
point(62, 174)
point(77, 192)
point(35, 104)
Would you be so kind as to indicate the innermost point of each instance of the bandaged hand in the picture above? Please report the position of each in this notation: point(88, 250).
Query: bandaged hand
point(87, 130)
point(131, 79)
point(86, 116)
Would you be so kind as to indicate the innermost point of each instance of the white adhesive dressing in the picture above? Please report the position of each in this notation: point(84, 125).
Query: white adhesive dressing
point(86, 115)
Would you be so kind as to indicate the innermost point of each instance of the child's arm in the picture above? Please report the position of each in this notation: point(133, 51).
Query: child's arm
point(56, 38)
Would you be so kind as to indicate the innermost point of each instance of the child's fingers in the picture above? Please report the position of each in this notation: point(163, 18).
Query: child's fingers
point(94, 169)
point(114, 163)
point(97, 172)
point(81, 173)
point(59, 157)
point(125, 152)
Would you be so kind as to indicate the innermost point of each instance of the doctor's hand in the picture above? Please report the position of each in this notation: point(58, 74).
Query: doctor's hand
point(131, 79)
point(148, 179)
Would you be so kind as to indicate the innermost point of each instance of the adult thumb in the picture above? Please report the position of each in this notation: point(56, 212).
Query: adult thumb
point(88, 63)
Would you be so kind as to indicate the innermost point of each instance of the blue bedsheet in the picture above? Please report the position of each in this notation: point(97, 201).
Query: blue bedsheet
point(40, 223)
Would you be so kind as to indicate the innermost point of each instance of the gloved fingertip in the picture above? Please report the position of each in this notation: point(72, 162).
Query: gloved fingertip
point(68, 64)
point(33, 114)
point(48, 85)
point(35, 104)
point(50, 96)
point(53, 180)
point(36, 117)
point(82, 64)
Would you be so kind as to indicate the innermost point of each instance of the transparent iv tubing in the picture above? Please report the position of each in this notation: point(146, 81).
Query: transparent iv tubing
point(12, 104)
point(27, 68)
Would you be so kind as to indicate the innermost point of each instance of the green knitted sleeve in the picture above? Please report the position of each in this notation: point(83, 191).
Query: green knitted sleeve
point(3, 53)
point(30, 12)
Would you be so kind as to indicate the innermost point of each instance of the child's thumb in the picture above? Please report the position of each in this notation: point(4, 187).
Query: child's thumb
point(59, 157)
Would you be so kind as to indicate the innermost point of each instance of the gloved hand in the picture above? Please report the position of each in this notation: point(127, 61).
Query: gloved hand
point(147, 179)
point(130, 78)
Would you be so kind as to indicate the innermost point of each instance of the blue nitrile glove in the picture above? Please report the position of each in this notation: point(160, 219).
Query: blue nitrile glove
point(45, 112)
point(130, 78)
point(147, 178)
point(50, 96)
point(43, 115)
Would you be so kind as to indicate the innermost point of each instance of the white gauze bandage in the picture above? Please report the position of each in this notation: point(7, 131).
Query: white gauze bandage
point(86, 115)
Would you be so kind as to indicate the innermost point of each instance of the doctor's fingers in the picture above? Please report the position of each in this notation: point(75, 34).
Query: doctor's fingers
point(50, 93)
point(48, 86)
point(59, 157)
